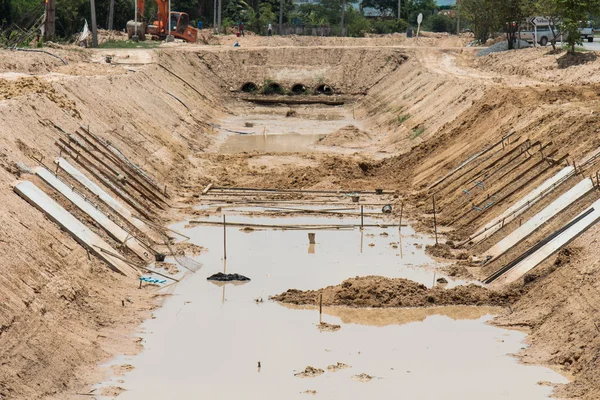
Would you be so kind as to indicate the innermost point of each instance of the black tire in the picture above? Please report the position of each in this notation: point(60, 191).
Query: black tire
point(543, 41)
point(590, 39)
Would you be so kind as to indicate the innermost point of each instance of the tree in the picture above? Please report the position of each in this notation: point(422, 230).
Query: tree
point(441, 23)
point(5, 14)
point(386, 8)
point(483, 17)
point(510, 15)
point(571, 13)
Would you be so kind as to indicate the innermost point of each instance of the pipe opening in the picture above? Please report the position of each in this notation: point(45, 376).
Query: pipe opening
point(298, 89)
point(249, 87)
point(324, 89)
point(273, 88)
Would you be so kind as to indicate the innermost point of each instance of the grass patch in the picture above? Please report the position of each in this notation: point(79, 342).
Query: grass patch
point(128, 44)
point(402, 118)
point(416, 133)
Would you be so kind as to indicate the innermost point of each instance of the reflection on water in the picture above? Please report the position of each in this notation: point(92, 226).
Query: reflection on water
point(287, 143)
point(206, 341)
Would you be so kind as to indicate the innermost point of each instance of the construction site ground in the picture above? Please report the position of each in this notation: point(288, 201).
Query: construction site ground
point(408, 113)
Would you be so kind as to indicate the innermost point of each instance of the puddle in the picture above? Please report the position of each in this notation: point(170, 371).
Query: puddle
point(207, 340)
point(270, 130)
point(284, 143)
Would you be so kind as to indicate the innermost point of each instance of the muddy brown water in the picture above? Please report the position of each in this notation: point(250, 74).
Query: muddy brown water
point(206, 340)
point(268, 129)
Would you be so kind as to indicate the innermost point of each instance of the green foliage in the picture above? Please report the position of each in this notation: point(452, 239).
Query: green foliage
point(5, 13)
point(440, 23)
point(482, 16)
point(385, 26)
point(356, 23)
point(416, 133)
point(570, 13)
point(402, 118)
point(128, 44)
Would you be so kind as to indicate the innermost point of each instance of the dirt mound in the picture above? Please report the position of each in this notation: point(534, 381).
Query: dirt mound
point(309, 372)
point(377, 291)
point(337, 367)
point(439, 250)
point(362, 377)
point(34, 85)
point(348, 136)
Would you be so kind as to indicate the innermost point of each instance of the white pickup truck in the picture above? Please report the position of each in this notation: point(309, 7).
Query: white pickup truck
point(546, 32)
point(587, 33)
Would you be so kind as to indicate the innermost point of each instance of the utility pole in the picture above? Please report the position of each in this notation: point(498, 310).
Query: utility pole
point(215, 18)
point(458, 17)
point(343, 12)
point(50, 22)
point(135, 36)
point(280, 16)
point(398, 9)
point(170, 37)
point(111, 15)
point(219, 29)
point(94, 26)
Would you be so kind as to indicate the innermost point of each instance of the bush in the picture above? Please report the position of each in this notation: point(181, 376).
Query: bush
point(440, 23)
point(384, 26)
point(356, 23)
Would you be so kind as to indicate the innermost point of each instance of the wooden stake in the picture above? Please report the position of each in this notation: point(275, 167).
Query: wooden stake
point(361, 217)
point(224, 238)
point(321, 308)
point(434, 221)
point(401, 212)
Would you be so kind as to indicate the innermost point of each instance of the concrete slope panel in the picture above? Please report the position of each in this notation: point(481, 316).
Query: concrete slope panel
point(571, 233)
point(114, 230)
point(557, 206)
point(522, 205)
point(81, 233)
point(105, 197)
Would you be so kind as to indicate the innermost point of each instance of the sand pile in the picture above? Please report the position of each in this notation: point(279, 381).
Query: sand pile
point(377, 291)
point(348, 136)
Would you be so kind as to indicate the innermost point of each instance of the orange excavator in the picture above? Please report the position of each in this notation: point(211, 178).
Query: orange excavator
point(159, 29)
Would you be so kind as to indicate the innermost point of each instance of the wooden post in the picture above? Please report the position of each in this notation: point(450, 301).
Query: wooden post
point(400, 224)
point(321, 308)
point(111, 15)
point(94, 25)
point(224, 238)
point(50, 22)
point(434, 221)
point(280, 17)
point(361, 217)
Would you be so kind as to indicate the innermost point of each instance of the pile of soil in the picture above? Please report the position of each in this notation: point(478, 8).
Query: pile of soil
point(439, 250)
point(349, 135)
point(381, 292)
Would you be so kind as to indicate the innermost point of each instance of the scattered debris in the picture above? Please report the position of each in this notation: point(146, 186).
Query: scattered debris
point(442, 280)
point(309, 372)
point(313, 392)
point(221, 277)
point(337, 367)
point(362, 377)
point(325, 327)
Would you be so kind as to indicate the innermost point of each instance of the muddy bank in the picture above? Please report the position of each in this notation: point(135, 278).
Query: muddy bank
point(381, 292)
